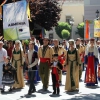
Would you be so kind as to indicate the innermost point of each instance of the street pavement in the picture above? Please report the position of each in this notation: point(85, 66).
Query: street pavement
point(84, 93)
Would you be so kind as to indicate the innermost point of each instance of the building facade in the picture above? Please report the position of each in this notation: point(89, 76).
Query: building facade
point(90, 8)
point(70, 9)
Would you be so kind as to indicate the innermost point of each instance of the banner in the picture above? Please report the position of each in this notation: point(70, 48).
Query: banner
point(87, 30)
point(97, 28)
point(15, 21)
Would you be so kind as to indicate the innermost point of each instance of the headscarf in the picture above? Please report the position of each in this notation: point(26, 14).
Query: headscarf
point(71, 41)
point(20, 44)
point(95, 49)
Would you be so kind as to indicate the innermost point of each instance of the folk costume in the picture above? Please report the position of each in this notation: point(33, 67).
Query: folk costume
point(73, 63)
point(32, 62)
point(17, 62)
point(61, 57)
point(91, 60)
point(45, 55)
point(9, 74)
point(99, 64)
point(81, 50)
point(56, 66)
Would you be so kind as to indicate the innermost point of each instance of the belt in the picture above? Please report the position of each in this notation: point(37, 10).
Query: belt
point(44, 60)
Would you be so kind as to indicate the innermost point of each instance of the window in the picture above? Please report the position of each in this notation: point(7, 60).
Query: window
point(68, 17)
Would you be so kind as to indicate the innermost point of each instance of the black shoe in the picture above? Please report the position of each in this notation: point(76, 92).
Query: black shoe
point(10, 89)
point(58, 90)
point(54, 93)
point(2, 90)
point(33, 91)
point(29, 93)
point(57, 93)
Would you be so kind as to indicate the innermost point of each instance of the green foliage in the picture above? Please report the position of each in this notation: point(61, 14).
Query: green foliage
point(65, 34)
point(80, 30)
point(61, 26)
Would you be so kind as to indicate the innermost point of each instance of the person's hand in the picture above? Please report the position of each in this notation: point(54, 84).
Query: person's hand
point(98, 65)
point(85, 65)
point(51, 66)
point(28, 66)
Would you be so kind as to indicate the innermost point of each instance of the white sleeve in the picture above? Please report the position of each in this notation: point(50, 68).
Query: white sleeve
point(5, 53)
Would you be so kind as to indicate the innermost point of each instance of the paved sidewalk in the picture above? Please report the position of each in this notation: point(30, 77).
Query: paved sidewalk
point(83, 94)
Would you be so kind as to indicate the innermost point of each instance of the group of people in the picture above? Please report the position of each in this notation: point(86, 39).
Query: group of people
point(70, 56)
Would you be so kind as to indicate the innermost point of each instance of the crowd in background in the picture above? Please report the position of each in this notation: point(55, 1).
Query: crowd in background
point(73, 55)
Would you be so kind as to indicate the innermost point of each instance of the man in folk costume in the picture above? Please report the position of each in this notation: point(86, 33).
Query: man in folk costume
point(32, 61)
point(91, 62)
point(61, 55)
point(56, 66)
point(45, 53)
point(72, 63)
point(81, 53)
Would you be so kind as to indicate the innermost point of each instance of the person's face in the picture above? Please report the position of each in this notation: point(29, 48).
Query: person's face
point(45, 41)
point(98, 43)
point(16, 45)
point(56, 42)
point(8, 44)
point(31, 46)
point(87, 41)
point(92, 43)
point(55, 58)
point(7, 60)
point(64, 43)
point(1, 45)
point(71, 45)
point(78, 42)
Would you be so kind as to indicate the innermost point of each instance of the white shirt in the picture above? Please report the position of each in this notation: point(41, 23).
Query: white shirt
point(3, 54)
point(55, 63)
point(30, 54)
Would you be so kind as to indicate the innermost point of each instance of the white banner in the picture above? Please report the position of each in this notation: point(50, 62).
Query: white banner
point(15, 21)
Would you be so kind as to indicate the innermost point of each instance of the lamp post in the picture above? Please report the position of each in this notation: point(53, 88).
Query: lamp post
point(97, 18)
point(71, 23)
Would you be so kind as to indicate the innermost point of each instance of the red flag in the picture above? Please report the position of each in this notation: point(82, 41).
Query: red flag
point(87, 30)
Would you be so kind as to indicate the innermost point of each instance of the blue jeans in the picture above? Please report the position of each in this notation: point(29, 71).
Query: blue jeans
point(31, 75)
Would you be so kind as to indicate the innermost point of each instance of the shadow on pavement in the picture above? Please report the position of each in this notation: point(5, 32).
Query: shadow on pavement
point(54, 95)
point(11, 92)
point(27, 96)
point(72, 93)
point(43, 92)
point(91, 96)
point(92, 87)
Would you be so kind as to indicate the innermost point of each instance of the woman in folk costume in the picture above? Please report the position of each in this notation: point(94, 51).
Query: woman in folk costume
point(17, 62)
point(91, 62)
point(72, 63)
point(98, 47)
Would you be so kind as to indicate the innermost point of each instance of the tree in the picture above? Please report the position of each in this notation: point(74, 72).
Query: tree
point(45, 13)
point(65, 34)
point(80, 30)
point(61, 26)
